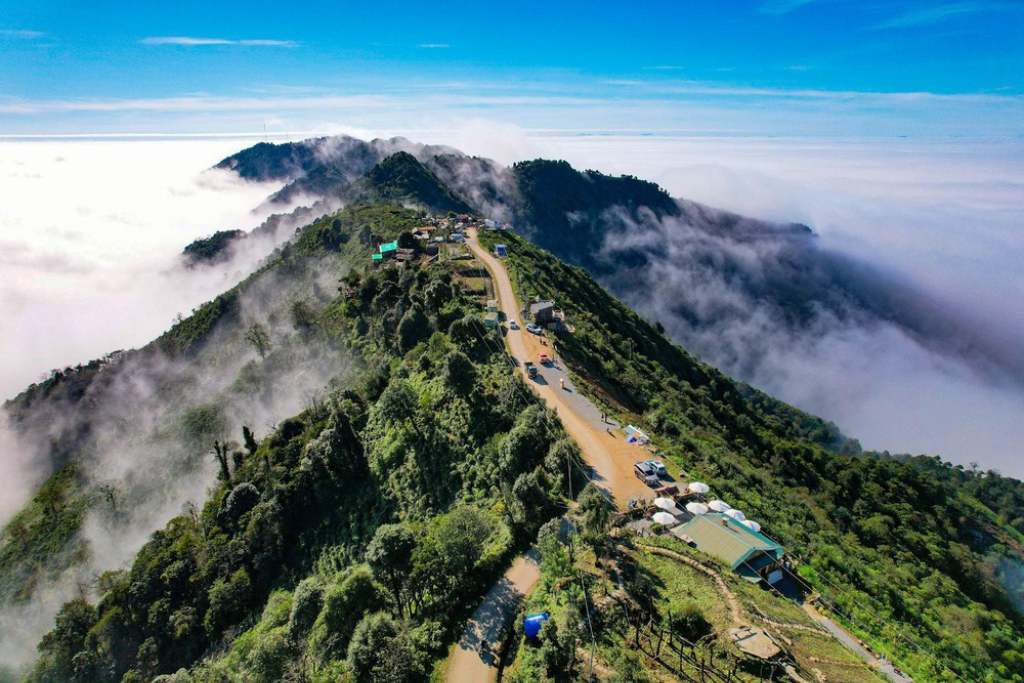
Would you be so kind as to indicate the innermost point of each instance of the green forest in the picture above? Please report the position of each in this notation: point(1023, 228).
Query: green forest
point(352, 540)
point(909, 550)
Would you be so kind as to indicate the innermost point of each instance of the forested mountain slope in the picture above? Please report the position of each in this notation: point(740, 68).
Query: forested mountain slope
point(432, 464)
point(917, 554)
point(381, 400)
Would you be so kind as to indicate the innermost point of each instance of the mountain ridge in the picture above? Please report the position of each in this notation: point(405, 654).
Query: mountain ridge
point(414, 445)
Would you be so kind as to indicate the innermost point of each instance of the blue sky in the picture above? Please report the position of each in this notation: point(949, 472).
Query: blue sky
point(779, 67)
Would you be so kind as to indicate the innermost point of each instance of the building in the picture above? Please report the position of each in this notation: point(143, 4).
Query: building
point(542, 312)
point(749, 553)
point(491, 320)
point(492, 304)
point(500, 250)
point(388, 249)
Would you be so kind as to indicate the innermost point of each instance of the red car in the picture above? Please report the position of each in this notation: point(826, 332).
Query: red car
point(544, 359)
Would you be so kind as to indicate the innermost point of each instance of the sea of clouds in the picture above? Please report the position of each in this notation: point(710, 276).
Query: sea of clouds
point(944, 216)
point(90, 231)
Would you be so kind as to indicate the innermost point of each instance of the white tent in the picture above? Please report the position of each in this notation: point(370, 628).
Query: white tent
point(698, 487)
point(735, 514)
point(752, 525)
point(696, 508)
point(664, 518)
point(667, 504)
point(719, 505)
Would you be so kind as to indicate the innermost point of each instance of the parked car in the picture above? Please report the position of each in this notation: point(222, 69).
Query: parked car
point(533, 329)
point(513, 325)
point(544, 359)
point(658, 467)
point(646, 474)
point(531, 369)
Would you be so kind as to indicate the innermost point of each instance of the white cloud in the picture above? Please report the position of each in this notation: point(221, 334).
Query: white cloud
point(198, 41)
point(783, 6)
point(24, 33)
point(933, 15)
point(91, 231)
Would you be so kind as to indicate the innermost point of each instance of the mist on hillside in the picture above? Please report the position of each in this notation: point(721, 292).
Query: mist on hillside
point(112, 279)
point(928, 229)
point(149, 421)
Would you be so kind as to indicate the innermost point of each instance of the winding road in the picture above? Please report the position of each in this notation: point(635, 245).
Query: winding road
point(604, 449)
point(610, 460)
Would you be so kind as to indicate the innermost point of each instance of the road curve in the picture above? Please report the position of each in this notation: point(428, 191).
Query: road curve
point(605, 451)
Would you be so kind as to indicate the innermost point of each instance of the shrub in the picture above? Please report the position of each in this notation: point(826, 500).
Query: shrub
point(306, 604)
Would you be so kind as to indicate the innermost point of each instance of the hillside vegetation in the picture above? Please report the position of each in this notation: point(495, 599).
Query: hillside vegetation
point(330, 463)
point(909, 552)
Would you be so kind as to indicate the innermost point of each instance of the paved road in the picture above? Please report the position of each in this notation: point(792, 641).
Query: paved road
point(467, 663)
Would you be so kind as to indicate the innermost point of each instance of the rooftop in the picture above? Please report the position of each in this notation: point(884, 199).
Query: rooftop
point(728, 540)
point(541, 305)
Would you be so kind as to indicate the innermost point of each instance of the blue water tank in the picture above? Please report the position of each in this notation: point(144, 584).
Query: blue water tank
point(533, 622)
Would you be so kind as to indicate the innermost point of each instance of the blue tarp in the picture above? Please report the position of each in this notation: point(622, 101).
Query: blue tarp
point(533, 622)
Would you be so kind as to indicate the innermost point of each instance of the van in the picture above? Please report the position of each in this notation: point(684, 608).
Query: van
point(646, 474)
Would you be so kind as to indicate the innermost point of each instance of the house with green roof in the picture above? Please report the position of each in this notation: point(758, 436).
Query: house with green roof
point(749, 553)
point(388, 249)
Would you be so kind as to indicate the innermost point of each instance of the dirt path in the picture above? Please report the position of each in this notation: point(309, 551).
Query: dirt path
point(854, 646)
point(604, 449)
point(467, 663)
point(735, 610)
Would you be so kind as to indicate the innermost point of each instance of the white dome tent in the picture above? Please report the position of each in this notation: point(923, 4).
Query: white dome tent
point(735, 514)
point(752, 525)
point(668, 505)
point(698, 487)
point(664, 518)
point(719, 505)
point(697, 508)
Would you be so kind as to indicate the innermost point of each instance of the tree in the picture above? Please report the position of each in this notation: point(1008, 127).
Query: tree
point(59, 648)
point(303, 316)
point(407, 241)
point(558, 650)
point(459, 372)
point(220, 452)
point(372, 640)
point(306, 603)
point(595, 511)
point(258, 337)
point(389, 555)
point(250, 440)
point(413, 328)
point(344, 604)
point(229, 600)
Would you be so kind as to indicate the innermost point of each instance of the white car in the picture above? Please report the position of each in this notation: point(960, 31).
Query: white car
point(513, 325)
point(533, 329)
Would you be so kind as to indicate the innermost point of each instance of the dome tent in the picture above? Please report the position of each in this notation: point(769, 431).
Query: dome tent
point(697, 508)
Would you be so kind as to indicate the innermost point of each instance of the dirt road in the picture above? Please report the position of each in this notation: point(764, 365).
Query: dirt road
point(468, 662)
point(604, 449)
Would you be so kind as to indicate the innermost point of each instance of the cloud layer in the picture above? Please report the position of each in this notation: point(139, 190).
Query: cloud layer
point(89, 242)
point(193, 41)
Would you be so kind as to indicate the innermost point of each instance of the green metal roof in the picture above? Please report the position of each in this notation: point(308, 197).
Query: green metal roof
point(728, 540)
point(389, 246)
point(377, 257)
